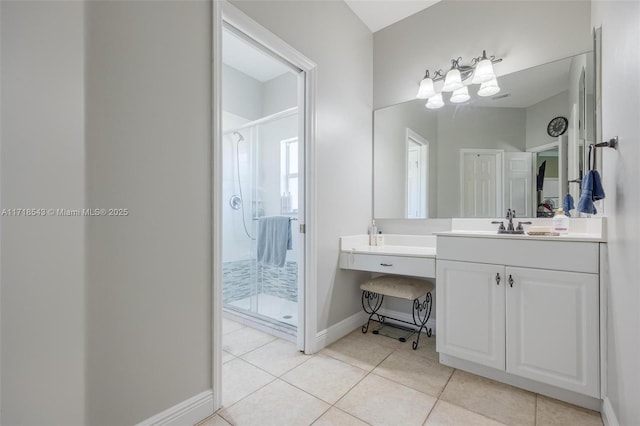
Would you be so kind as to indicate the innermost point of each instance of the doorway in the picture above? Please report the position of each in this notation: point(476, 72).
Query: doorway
point(263, 136)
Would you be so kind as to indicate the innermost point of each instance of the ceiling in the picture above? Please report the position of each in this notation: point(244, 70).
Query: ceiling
point(377, 14)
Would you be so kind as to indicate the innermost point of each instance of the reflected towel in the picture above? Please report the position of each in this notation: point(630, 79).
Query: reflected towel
point(274, 239)
point(567, 204)
point(591, 191)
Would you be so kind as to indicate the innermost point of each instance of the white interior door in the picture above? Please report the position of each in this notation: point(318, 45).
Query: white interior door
point(518, 183)
point(481, 183)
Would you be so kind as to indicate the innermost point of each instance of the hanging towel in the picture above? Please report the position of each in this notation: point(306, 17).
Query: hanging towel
point(591, 191)
point(274, 239)
point(567, 204)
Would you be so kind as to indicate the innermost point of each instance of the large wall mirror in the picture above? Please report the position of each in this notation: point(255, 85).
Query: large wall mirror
point(479, 158)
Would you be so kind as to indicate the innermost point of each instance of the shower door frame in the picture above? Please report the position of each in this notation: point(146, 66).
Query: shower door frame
point(225, 13)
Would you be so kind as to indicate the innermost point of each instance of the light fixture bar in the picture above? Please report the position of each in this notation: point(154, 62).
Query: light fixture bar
point(480, 71)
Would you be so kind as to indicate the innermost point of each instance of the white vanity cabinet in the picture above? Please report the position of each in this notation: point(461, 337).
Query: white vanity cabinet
point(499, 305)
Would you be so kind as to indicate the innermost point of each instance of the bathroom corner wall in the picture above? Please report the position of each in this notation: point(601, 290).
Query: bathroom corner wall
point(148, 118)
point(620, 108)
point(332, 36)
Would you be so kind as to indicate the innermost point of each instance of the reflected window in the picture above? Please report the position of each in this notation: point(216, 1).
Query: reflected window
point(289, 175)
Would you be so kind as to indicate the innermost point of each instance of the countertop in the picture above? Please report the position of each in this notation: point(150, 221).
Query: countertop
point(395, 245)
point(577, 237)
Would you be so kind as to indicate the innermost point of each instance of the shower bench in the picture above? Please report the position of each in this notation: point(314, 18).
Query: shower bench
point(415, 289)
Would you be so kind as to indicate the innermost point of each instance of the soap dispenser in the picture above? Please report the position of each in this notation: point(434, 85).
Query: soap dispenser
point(373, 231)
point(560, 222)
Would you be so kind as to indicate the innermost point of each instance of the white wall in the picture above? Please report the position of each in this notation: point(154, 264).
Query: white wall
point(479, 128)
point(148, 106)
point(620, 108)
point(525, 33)
point(241, 94)
point(43, 295)
point(539, 115)
point(280, 93)
point(390, 161)
point(330, 34)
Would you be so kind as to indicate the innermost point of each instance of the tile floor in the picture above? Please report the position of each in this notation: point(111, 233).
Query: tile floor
point(368, 380)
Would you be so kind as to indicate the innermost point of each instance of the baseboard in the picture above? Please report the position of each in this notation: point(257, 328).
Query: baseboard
point(570, 397)
point(186, 413)
point(406, 317)
point(608, 415)
point(337, 331)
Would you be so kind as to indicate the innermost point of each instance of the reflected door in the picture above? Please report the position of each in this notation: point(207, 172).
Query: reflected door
point(481, 181)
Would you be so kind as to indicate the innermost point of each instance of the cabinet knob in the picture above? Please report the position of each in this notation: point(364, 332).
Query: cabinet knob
point(510, 281)
point(498, 279)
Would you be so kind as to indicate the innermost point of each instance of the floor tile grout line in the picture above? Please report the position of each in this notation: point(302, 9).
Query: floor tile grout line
point(222, 408)
point(433, 407)
point(282, 374)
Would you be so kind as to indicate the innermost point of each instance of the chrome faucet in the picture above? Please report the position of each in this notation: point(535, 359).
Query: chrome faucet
point(510, 215)
point(509, 229)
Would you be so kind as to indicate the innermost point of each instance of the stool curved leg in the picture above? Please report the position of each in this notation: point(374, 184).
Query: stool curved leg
point(371, 303)
point(421, 314)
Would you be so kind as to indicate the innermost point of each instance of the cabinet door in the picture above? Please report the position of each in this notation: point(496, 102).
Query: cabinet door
point(470, 312)
point(552, 328)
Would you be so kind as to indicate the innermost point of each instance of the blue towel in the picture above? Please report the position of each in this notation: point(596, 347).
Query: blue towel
point(591, 191)
point(274, 239)
point(567, 204)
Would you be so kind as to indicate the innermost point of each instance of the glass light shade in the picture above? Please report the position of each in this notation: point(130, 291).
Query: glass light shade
point(460, 95)
point(452, 81)
point(483, 72)
point(489, 88)
point(435, 101)
point(426, 89)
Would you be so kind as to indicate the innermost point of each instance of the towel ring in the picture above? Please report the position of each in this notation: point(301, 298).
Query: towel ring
point(611, 143)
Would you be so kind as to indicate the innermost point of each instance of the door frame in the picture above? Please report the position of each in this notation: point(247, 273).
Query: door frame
point(224, 12)
point(413, 136)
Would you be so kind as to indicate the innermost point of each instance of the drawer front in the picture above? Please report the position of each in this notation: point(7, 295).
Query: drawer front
point(557, 255)
point(399, 265)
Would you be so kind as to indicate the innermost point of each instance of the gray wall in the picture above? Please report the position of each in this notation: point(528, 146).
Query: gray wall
point(620, 106)
point(539, 115)
point(479, 128)
point(525, 33)
point(43, 294)
point(148, 274)
point(390, 162)
point(330, 34)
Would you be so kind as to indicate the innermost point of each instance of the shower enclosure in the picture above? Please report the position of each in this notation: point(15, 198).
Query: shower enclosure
point(260, 180)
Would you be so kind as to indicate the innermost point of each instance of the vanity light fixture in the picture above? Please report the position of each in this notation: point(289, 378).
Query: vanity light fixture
point(489, 88)
point(460, 95)
point(435, 101)
point(457, 80)
point(426, 89)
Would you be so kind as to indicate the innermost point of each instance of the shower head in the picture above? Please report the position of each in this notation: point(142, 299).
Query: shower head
point(240, 137)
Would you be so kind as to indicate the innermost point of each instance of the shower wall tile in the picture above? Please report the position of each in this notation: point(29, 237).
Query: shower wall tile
point(245, 278)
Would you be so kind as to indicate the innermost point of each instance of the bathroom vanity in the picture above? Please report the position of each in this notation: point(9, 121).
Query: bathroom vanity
point(521, 309)
point(413, 255)
point(527, 307)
